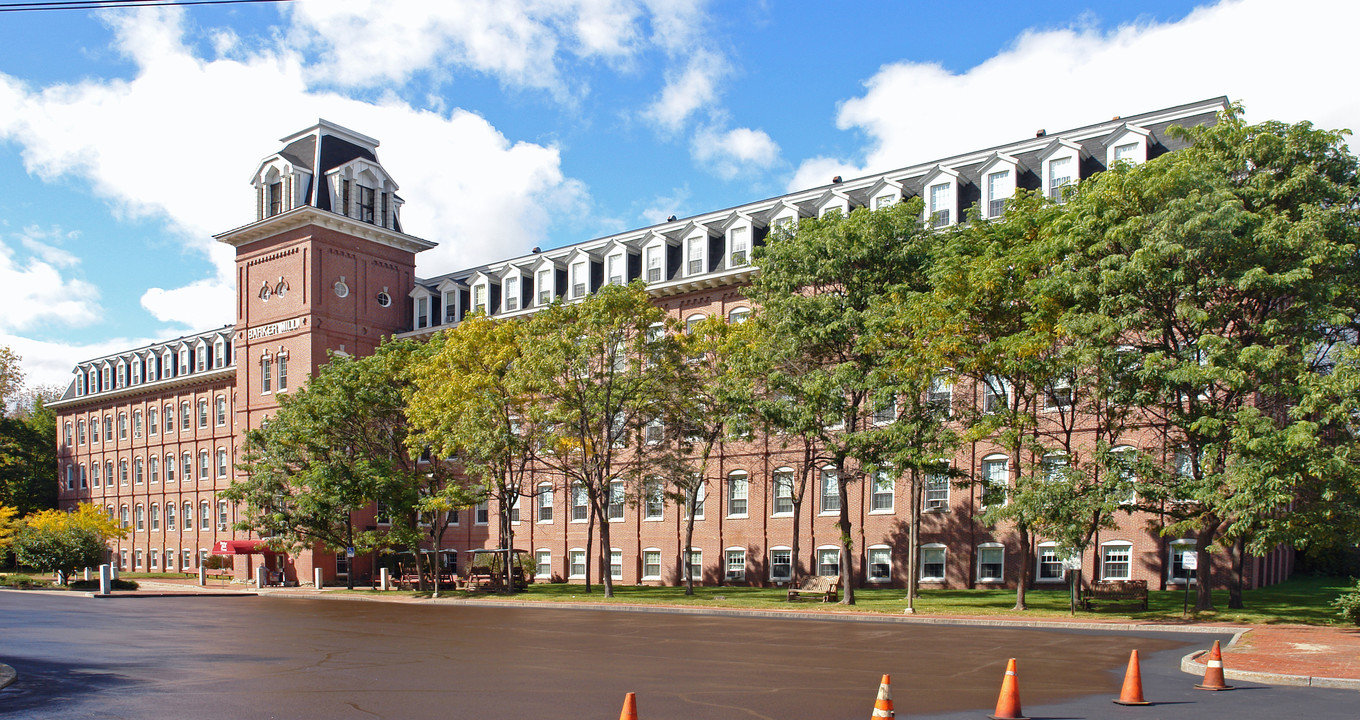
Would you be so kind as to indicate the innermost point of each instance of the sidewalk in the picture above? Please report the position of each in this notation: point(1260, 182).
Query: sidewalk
point(1272, 654)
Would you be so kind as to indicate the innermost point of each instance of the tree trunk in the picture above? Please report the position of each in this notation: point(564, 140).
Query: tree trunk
point(349, 561)
point(794, 558)
point(590, 539)
point(606, 574)
point(1237, 556)
point(1204, 571)
point(691, 502)
point(913, 540)
point(847, 540)
point(1023, 582)
point(509, 533)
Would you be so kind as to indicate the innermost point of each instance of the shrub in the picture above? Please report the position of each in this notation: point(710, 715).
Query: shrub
point(1348, 604)
point(24, 581)
point(119, 584)
point(59, 548)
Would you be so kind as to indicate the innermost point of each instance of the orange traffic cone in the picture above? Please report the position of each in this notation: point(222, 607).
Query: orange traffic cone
point(883, 705)
point(1213, 672)
point(1008, 704)
point(629, 707)
point(1132, 692)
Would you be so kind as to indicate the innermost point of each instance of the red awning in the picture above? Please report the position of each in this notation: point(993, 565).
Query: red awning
point(240, 547)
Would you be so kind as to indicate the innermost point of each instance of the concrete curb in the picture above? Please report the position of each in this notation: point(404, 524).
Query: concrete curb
point(1189, 666)
point(7, 676)
point(782, 614)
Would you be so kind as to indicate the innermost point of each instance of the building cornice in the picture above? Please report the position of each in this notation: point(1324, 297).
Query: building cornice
point(308, 215)
point(203, 378)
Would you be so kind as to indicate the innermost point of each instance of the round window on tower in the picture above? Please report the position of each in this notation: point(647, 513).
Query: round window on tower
point(265, 292)
point(384, 299)
point(341, 289)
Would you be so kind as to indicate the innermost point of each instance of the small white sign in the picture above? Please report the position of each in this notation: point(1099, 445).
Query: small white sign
point(1190, 560)
point(349, 552)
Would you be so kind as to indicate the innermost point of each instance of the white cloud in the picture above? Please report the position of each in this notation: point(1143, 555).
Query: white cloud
point(478, 194)
point(34, 293)
point(660, 207)
point(522, 43)
point(687, 91)
point(1061, 78)
point(734, 152)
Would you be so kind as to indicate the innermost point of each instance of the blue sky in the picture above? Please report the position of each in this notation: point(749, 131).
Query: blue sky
point(127, 136)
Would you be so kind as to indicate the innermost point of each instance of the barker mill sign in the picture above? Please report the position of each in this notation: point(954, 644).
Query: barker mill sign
point(278, 328)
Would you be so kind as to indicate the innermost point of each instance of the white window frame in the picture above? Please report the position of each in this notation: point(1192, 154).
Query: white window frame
point(616, 268)
point(510, 301)
point(543, 565)
point(990, 479)
point(1105, 562)
point(788, 577)
point(694, 560)
point(543, 504)
point(653, 499)
point(1058, 561)
point(821, 553)
point(577, 492)
point(728, 555)
point(739, 246)
point(616, 507)
point(826, 477)
point(696, 244)
point(654, 252)
point(572, 555)
point(615, 563)
point(933, 548)
point(776, 497)
point(651, 576)
point(580, 278)
point(982, 550)
point(869, 563)
point(544, 292)
point(876, 493)
point(1176, 550)
point(738, 494)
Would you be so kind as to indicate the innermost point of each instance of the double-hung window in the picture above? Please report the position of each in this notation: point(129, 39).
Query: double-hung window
point(614, 268)
point(579, 503)
point(882, 499)
point(511, 291)
point(655, 255)
point(991, 560)
point(1059, 176)
point(544, 287)
point(616, 501)
point(880, 564)
point(579, 279)
point(737, 489)
point(740, 246)
point(735, 563)
point(654, 500)
point(781, 564)
point(545, 502)
point(940, 205)
point(1116, 560)
point(783, 492)
point(998, 191)
point(831, 492)
point(695, 255)
point(829, 561)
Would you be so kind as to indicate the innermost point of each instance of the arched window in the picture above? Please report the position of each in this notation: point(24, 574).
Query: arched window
point(123, 516)
point(155, 517)
point(169, 518)
point(139, 516)
point(154, 469)
point(738, 490)
point(188, 516)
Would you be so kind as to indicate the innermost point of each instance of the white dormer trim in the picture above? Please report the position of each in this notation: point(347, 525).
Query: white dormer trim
point(615, 256)
point(480, 286)
point(364, 173)
point(579, 263)
point(419, 293)
point(885, 193)
point(291, 181)
point(451, 300)
point(783, 212)
point(513, 275)
point(940, 189)
point(694, 250)
point(655, 257)
point(834, 199)
point(150, 363)
point(739, 232)
point(1061, 167)
point(1128, 143)
point(544, 268)
point(997, 180)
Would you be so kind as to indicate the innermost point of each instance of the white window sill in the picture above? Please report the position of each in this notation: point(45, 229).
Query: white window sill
point(781, 515)
point(829, 513)
point(742, 516)
point(651, 577)
point(1051, 581)
point(653, 519)
point(991, 580)
point(888, 511)
point(878, 580)
point(543, 522)
point(578, 522)
point(576, 577)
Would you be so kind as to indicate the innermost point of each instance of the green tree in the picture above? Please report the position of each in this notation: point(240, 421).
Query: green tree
point(994, 317)
point(820, 293)
point(1221, 270)
point(709, 403)
point(601, 371)
point(28, 451)
point(11, 378)
point(335, 448)
point(56, 541)
point(470, 400)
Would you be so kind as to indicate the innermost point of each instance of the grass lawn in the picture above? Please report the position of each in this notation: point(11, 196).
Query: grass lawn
point(1303, 600)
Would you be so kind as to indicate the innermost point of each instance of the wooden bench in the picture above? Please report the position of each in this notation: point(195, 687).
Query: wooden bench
point(1117, 592)
point(827, 586)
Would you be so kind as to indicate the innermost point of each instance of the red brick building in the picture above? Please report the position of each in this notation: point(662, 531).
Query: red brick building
point(326, 266)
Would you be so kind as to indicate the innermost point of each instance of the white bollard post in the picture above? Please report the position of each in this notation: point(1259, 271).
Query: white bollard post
point(114, 569)
point(382, 581)
point(202, 575)
point(61, 578)
point(260, 574)
point(316, 577)
point(105, 579)
point(87, 574)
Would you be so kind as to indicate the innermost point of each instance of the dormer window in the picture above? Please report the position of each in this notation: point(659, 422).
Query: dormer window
point(219, 353)
point(202, 354)
point(511, 290)
point(122, 375)
point(941, 205)
point(1060, 172)
point(655, 259)
point(579, 279)
point(479, 297)
point(694, 255)
point(367, 204)
point(1127, 144)
point(739, 246)
point(544, 285)
point(614, 268)
point(184, 361)
point(275, 198)
point(422, 312)
point(883, 201)
point(450, 309)
point(998, 187)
